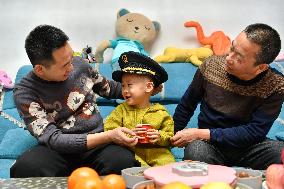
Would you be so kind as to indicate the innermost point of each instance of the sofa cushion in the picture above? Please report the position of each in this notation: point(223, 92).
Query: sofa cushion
point(280, 135)
point(105, 110)
point(277, 129)
point(23, 70)
point(178, 153)
point(5, 165)
point(8, 101)
point(15, 142)
point(9, 119)
point(193, 122)
point(278, 66)
point(180, 76)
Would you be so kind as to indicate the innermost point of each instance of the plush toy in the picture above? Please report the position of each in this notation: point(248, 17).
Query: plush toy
point(220, 43)
point(5, 80)
point(134, 31)
point(194, 55)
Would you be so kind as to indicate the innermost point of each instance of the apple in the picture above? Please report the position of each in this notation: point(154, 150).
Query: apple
point(275, 176)
point(176, 185)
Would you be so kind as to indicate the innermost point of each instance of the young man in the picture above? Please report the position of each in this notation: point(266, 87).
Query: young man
point(58, 104)
point(240, 96)
point(139, 76)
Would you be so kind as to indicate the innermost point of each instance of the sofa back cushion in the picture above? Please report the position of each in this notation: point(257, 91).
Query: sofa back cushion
point(180, 76)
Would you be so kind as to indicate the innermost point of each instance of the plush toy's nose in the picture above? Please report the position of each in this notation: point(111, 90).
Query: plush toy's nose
point(136, 27)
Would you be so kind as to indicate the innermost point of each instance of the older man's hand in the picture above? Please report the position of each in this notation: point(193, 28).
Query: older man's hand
point(185, 136)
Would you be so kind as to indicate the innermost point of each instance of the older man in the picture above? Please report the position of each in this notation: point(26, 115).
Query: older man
point(240, 96)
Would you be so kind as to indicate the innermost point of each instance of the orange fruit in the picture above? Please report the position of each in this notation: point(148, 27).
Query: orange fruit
point(80, 173)
point(89, 183)
point(114, 181)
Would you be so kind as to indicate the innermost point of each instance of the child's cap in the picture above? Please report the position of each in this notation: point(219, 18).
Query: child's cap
point(137, 63)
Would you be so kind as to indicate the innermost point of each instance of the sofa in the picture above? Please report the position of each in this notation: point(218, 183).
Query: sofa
point(15, 139)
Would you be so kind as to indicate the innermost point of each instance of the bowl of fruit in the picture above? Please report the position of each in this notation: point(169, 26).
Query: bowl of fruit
point(150, 184)
point(133, 175)
point(250, 177)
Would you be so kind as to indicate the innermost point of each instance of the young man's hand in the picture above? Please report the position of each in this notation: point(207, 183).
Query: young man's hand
point(121, 136)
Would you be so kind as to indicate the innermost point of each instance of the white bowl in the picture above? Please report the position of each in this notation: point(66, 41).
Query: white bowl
point(243, 186)
point(254, 180)
point(143, 183)
point(133, 175)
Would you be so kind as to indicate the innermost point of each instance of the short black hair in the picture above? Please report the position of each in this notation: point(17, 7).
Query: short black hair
point(42, 41)
point(267, 38)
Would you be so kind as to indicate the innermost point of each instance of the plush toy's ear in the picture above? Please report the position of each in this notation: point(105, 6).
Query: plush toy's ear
point(122, 12)
point(157, 26)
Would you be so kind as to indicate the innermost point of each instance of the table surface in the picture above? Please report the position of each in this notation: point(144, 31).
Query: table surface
point(34, 183)
point(39, 183)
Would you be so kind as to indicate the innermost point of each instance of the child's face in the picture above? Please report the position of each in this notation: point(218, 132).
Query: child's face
point(136, 90)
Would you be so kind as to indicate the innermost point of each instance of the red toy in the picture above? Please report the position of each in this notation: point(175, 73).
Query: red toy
point(219, 42)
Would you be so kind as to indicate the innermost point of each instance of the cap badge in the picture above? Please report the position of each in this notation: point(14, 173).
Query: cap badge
point(124, 58)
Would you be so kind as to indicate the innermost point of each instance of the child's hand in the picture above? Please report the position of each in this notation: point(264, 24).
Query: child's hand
point(153, 135)
point(139, 131)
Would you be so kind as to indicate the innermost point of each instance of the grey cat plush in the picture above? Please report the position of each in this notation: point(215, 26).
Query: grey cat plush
point(134, 32)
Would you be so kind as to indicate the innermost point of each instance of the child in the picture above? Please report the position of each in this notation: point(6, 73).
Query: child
point(139, 76)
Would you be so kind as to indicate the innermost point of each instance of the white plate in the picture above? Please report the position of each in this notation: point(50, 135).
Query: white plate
point(264, 185)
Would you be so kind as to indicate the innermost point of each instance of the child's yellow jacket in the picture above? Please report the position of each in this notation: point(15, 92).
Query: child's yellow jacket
point(159, 118)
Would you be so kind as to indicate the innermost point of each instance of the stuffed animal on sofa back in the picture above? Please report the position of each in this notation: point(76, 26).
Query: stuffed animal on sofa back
point(194, 55)
point(220, 43)
point(5, 80)
point(134, 32)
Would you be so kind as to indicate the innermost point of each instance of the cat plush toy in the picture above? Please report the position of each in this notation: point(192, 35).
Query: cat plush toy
point(134, 31)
